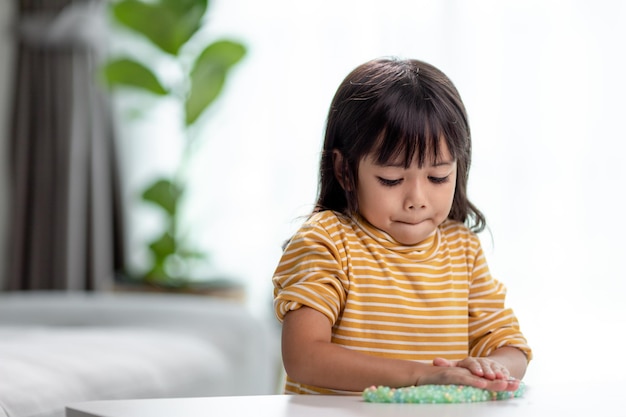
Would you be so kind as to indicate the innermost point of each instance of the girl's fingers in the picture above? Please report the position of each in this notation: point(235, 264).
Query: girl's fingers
point(477, 369)
point(493, 370)
point(443, 362)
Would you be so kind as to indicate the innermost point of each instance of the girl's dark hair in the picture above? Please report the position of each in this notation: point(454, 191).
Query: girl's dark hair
point(395, 107)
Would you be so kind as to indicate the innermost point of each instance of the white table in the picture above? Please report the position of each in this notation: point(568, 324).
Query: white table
point(571, 400)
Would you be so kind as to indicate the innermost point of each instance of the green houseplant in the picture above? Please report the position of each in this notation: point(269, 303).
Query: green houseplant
point(168, 26)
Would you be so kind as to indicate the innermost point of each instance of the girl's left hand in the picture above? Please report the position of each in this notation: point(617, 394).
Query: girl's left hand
point(483, 367)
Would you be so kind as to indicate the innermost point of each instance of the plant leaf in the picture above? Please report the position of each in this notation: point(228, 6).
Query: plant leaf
point(129, 73)
point(167, 24)
point(156, 275)
point(164, 193)
point(162, 247)
point(209, 74)
point(181, 7)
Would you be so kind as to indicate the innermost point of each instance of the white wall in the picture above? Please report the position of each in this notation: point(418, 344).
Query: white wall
point(543, 83)
point(6, 63)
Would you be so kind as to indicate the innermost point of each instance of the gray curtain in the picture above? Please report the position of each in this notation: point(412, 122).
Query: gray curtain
point(65, 221)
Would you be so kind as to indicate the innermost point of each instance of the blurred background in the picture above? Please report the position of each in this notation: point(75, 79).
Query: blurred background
point(544, 86)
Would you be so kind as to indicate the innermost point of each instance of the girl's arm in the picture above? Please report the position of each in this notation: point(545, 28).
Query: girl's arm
point(512, 359)
point(311, 358)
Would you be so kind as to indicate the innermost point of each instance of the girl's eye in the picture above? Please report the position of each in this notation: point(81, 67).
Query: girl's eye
point(439, 180)
point(389, 183)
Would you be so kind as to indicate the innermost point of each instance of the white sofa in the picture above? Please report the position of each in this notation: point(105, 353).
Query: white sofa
point(62, 348)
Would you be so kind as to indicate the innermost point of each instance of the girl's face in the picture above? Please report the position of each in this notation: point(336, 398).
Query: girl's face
point(408, 204)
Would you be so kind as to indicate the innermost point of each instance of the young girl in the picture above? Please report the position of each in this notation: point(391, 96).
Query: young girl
point(386, 282)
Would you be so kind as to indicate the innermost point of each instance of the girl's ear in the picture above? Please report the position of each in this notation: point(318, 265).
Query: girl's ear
point(338, 168)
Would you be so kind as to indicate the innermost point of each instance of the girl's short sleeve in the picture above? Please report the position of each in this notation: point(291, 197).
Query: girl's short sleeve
point(310, 273)
point(491, 324)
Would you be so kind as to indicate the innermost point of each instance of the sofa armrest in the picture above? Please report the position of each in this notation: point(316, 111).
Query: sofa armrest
point(247, 341)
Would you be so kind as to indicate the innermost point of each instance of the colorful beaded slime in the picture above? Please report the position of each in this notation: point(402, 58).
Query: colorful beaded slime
point(437, 394)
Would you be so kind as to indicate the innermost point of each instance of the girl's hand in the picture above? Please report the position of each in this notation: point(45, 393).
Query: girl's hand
point(485, 368)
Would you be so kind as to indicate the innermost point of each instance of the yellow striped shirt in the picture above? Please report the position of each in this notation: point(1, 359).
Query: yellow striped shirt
point(434, 299)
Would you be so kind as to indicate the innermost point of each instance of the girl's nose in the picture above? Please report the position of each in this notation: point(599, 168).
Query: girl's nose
point(415, 197)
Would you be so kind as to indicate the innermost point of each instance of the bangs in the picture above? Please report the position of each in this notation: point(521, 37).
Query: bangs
point(415, 129)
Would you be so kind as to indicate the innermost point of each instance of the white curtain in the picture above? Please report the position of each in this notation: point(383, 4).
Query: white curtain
point(543, 83)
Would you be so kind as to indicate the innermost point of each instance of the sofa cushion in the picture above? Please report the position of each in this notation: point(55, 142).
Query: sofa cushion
point(43, 369)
